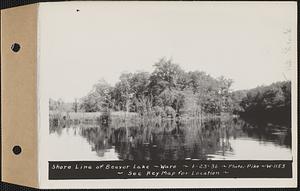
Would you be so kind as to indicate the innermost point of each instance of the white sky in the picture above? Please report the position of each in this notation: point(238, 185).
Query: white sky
point(242, 41)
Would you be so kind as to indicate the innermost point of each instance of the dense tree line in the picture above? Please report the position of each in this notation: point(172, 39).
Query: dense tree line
point(268, 101)
point(168, 90)
point(171, 91)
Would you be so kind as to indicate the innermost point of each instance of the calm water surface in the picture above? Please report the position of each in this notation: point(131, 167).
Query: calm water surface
point(230, 139)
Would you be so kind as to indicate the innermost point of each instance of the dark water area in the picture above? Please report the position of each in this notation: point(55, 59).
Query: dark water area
point(211, 139)
point(280, 116)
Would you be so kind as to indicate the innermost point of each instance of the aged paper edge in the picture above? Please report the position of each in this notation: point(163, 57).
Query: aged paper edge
point(19, 95)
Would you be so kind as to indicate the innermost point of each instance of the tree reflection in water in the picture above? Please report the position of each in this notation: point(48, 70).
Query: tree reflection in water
point(173, 140)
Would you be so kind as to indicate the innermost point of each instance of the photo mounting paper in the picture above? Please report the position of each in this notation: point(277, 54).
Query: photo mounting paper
point(167, 94)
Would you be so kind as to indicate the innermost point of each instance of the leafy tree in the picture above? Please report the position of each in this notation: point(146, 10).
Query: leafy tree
point(98, 99)
point(55, 105)
point(143, 105)
point(170, 112)
point(58, 105)
point(158, 111)
point(169, 90)
point(237, 97)
point(165, 75)
point(224, 93)
point(273, 98)
point(167, 97)
point(123, 92)
point(139, 82)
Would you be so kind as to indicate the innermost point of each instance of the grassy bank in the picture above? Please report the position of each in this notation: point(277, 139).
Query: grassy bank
point(89, 115)
point(67, 118)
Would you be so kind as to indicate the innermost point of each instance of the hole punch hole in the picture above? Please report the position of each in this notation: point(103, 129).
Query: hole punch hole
point(17, 150)
point(15, 47)
point(77, 10)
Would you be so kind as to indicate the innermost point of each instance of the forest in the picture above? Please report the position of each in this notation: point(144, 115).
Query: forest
point(170, 92)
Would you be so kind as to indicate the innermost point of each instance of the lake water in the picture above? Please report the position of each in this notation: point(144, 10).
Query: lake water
point(226, 139)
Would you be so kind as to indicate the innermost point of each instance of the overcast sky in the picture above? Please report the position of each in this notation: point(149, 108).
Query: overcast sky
point(83, 42)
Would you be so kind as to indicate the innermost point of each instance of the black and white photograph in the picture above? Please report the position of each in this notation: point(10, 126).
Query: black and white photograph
point(173, 114)
point(154, 90)
point(176, 83)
